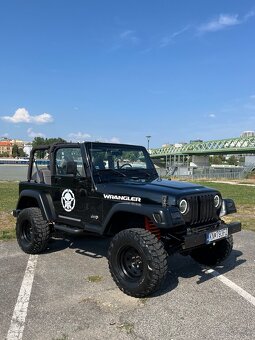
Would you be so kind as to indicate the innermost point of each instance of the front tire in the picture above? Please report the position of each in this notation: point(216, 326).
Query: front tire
point(32, 231)
point(213, 254)
point(137, 262)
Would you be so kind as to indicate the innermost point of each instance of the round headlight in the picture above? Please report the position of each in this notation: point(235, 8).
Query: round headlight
point(217, 201)
point(183, 206)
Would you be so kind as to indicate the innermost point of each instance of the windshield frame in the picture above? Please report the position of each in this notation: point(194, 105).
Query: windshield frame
point(121, 174)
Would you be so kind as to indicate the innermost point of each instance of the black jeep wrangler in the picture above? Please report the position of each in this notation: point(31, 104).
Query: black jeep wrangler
point(114, 189)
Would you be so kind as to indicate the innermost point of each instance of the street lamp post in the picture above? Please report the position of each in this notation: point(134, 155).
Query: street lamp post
point(148, 140)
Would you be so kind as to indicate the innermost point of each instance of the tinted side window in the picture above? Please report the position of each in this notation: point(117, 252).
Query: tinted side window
point(69, 162)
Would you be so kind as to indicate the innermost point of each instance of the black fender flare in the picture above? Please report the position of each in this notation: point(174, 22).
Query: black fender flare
point(162, 217)
point(44, 201)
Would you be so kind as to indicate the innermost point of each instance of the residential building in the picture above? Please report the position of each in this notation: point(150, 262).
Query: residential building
point(6, 147)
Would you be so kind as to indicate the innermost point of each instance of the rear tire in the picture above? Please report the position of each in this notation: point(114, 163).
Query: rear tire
point(213, 254)
point(137, 262)
point(32, 231)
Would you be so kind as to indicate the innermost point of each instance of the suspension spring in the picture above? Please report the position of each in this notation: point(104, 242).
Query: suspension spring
point(152, 228)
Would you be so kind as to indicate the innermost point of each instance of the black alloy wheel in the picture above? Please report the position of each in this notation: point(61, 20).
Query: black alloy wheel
point(130, 263)
point(26, 231)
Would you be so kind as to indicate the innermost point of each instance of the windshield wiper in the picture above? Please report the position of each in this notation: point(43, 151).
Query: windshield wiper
point(141, 174)
point(112, 170)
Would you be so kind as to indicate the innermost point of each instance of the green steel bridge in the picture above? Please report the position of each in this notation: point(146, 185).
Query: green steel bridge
point(242, 145)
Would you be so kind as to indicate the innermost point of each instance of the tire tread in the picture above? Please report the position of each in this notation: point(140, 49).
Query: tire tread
point(40, 228)
point(158, 259)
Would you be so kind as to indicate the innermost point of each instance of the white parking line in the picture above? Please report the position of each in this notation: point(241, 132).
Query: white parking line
point(20, 311)
point(248, 297)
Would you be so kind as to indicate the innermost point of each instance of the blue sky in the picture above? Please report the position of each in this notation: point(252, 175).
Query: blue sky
point(120, 70)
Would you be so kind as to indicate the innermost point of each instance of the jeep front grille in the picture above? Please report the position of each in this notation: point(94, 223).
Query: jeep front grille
point(201, 209)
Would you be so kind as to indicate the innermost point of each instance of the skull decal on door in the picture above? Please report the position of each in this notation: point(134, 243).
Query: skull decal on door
point(68, 200)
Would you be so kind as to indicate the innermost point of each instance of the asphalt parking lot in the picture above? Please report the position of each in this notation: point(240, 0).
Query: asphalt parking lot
point(74, 297)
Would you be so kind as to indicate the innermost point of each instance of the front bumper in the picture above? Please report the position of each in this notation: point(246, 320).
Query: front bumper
point(199, 238)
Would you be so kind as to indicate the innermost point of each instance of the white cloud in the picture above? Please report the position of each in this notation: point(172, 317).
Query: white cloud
point(79, 136)
point(21, 115)
point(109, 140)
point(42, 119)
point(249, 15)
point(129, 36)
point(167, 40)
point(212, 115)
point(114, 140)
point(34, 134)
point(126, 34)
point(221, 22)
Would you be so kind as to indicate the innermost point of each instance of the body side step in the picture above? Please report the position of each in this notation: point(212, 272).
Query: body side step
point(76, 231)
point(67, 229)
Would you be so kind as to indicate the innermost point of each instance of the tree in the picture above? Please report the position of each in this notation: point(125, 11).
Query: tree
point(15, 151)
point(232, 160)
point(38, 141)
point(131, 156)
point(21, 153)
point(46, 141)
point(217, 159)
point(4, 154)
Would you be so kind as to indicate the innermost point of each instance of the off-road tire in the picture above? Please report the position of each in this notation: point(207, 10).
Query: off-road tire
point(148, 251)
point(213, 254)
point(32, 231)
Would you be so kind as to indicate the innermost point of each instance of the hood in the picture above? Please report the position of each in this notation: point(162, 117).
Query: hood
point(151, 192)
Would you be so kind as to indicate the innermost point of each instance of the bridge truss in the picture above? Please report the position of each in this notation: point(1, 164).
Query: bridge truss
point(242, 145)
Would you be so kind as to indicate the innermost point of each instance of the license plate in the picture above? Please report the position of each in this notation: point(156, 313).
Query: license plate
point(216, 235)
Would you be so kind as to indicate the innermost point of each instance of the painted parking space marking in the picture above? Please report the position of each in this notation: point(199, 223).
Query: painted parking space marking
point(248, 297)
point(20, 311)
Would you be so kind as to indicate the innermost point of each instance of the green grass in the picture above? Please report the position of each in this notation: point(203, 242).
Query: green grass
point(62, 337)
point(128, 327)
point(241, 194)
point(244, 197)
point(9, 197)
point(95, 278)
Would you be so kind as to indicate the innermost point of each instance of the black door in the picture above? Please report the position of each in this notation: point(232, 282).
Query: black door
point(74, 200)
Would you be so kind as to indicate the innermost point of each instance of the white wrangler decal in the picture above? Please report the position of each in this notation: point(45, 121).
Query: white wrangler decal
point(122, 198)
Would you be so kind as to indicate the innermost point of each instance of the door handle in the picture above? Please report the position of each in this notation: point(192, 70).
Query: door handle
point(57, 179)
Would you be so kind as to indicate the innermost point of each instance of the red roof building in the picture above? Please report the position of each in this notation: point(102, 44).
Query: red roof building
point(6, 147)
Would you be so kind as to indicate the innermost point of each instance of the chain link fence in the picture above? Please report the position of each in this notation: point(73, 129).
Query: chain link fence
point(206, 172)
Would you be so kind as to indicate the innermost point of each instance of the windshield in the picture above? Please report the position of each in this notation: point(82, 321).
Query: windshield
point(120, 162)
